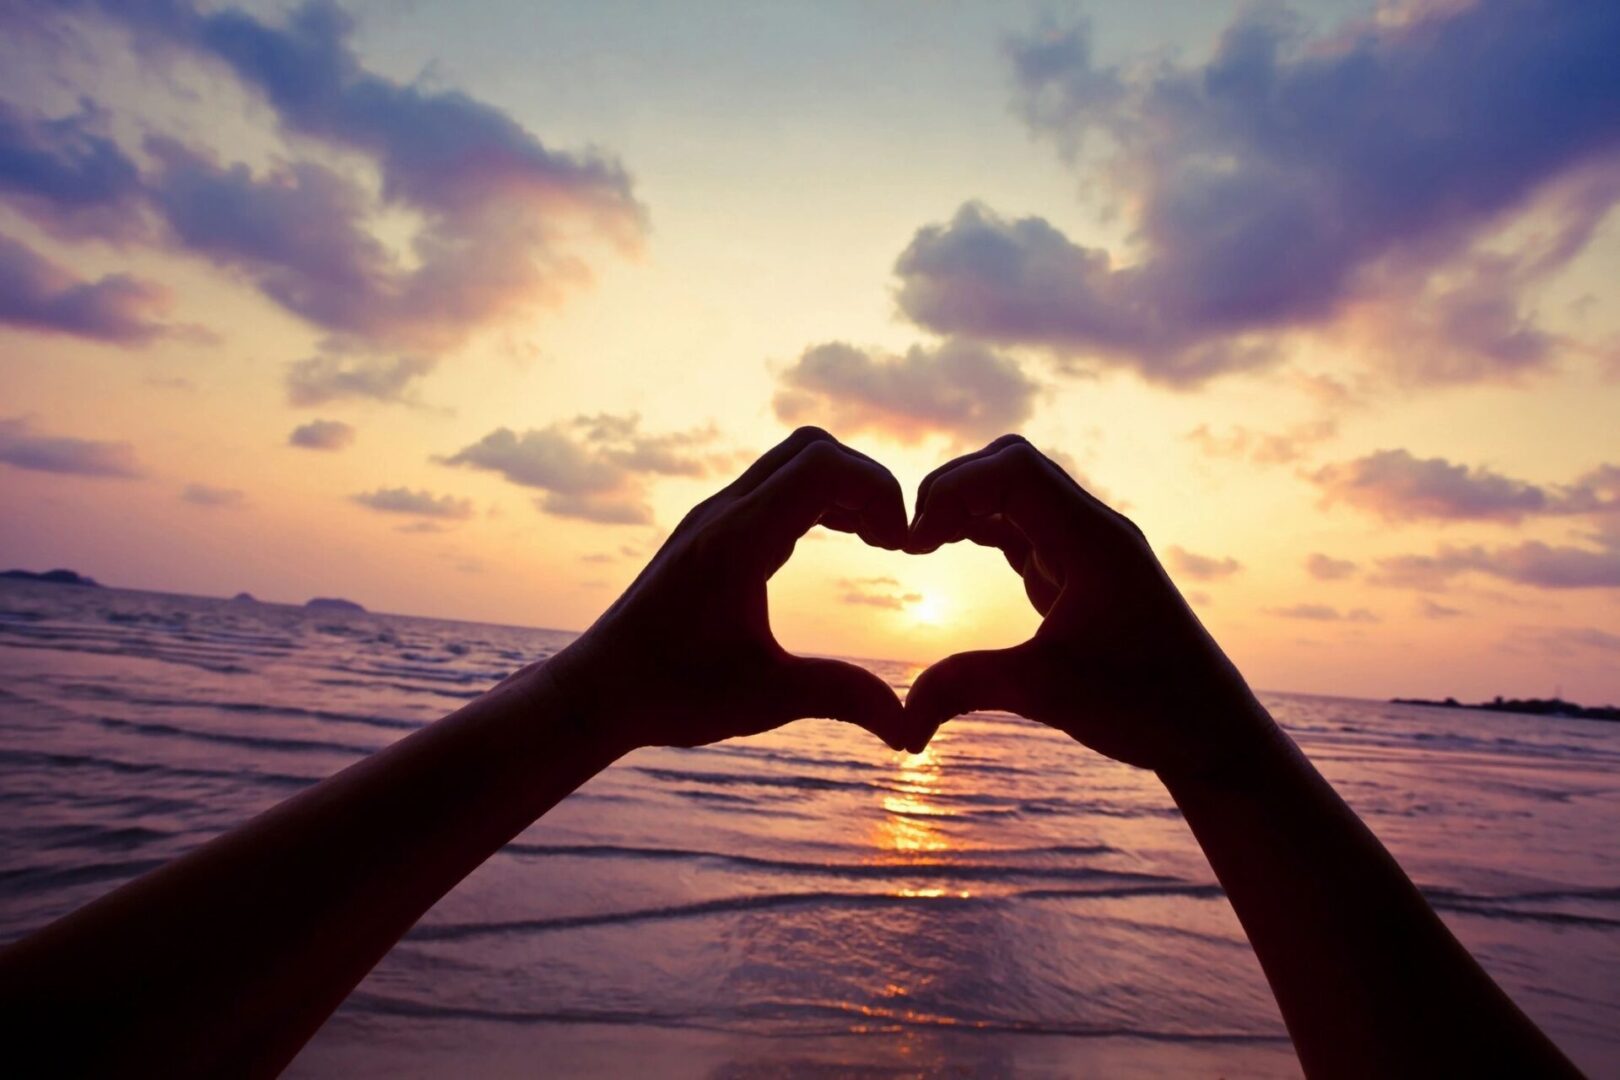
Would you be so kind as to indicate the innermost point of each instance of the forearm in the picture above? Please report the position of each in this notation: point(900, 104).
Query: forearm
point(1368, 979)
point(229, 958)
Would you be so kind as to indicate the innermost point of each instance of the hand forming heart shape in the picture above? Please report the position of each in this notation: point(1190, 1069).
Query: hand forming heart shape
point(1119, 662)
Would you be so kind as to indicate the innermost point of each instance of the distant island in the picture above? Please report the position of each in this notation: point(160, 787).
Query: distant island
point(244, 598)
point(1530, 706)
point(333, 603)
point(53, 577)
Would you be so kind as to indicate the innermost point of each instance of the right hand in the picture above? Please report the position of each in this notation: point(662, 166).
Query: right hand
point(1119, 662)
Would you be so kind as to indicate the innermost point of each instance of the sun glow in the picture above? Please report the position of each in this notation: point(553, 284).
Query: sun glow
point(927, 611)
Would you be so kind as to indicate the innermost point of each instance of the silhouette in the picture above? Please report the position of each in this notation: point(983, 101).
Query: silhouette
point(227, 960)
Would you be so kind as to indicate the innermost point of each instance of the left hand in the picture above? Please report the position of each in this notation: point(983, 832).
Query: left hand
point(686, 656)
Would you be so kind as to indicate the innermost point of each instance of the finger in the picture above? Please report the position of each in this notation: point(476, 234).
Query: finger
point(841, 520)
point(841, 691)
point(823, 477)
point(985, 451)
point(1013, 482)
point(970, 682)
point(997, 532)
point(774, 458)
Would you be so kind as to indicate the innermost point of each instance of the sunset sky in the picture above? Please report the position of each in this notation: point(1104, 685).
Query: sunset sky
point(454, 309)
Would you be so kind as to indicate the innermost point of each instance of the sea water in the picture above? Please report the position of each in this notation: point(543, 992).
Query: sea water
point(804, 902)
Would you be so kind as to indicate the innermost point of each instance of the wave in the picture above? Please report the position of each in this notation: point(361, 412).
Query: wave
point(54, 760)
point(33, 879)
point(956, 869)
point(778, 1011)
point(251, 708)
point(255, 742)
point(772, 901)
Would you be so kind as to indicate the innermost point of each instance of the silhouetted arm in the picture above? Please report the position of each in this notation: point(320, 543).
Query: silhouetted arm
point(225, 961)
point(1368, 979)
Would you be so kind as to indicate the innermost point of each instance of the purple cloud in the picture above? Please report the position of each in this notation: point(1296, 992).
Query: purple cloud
point(22, 447)
point(322, 435)
point(37, 294)
point(1323, 613)
point(1327, 568)
point(501, 219)
point(1532, 563)
point(214, 498)
point(957, 389)
point(328, 377)
point(878, 592)
point(1291, 180)
point(67, 176)
point(1400, 487)
point(592, 467)
point(1201, 567)
point(419, 503)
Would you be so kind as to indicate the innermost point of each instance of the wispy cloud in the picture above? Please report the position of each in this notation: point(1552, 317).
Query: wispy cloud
point(592, 467)
point(959, 390)
point(1323, 613)
point(214, 498)
point(24, 447)
point(423, 504)
point(322, 435)
point(880, 592)
point(37, 294)
point(1201, 567)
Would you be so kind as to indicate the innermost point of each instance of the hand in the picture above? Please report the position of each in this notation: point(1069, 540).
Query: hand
point(1119, 662)
point(686, 655)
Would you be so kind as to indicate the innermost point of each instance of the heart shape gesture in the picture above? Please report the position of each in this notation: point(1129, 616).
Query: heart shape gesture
point(1120, 662)
point(686, 656)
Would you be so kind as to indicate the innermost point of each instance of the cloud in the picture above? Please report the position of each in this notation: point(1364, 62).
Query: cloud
point(22, 447)
point(1323, 613)
point(328, 377)
point(37, 294)
point(1397, 486)
point(420, 503)
point(1201, 567)
point(1431, 610)
point(1291, 181)
point(67, 176)
point(877, 592)
point(322, 435)
point(214, 498)
point(1567, 640)
point(1263, 448)
point(592, 467)
point(1532, 563)
point(496, 222)
point(1327, 568)
point(959, 389)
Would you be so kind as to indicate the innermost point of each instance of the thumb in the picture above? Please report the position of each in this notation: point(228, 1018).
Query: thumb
point(840, 691)
point(970, 681)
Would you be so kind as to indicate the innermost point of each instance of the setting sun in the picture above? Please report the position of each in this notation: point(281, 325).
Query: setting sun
point(927, 611)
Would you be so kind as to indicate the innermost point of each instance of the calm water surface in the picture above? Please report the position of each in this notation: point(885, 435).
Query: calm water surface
point(803, 902)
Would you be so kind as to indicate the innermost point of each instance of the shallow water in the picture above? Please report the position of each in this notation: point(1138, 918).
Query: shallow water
point(802, 902)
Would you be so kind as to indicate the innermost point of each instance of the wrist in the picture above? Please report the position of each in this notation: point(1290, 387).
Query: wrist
point(1253, 747)
point(577, 688)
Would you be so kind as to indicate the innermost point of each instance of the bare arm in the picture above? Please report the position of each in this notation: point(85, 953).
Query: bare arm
point(227, 960)
point(1368, 979)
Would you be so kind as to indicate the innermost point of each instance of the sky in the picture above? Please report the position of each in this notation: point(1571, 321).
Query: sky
point(454, 309)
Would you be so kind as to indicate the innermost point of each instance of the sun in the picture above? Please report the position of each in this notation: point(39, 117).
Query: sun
point(927, 610)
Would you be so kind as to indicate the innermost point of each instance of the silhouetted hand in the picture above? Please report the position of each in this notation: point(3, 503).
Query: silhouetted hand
point(1119, 662)
point(686, 655)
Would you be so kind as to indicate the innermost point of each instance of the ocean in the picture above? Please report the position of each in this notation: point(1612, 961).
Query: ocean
point(807, 902)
